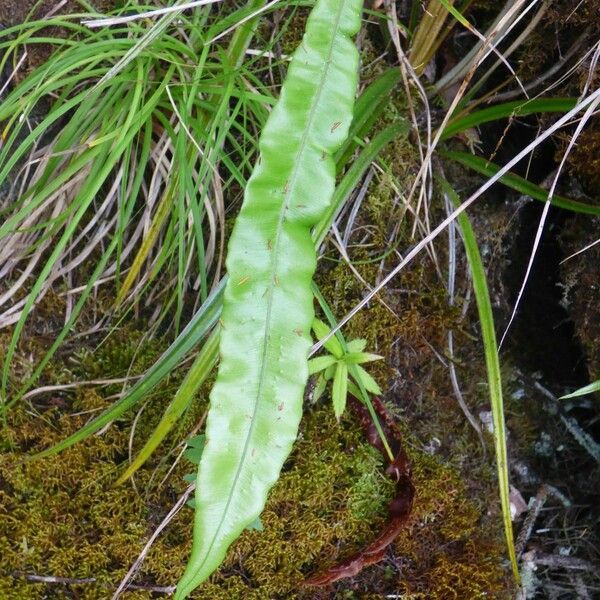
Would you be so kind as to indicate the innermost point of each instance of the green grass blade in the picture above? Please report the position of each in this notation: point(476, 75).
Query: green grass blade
point(195, 377)
point(96, 177)
point(101, 264)
point(518, 108)
point(101, 168)
point(518, 183)
point(243, 35)
point(143, 42)
point(456, 14)
point(256, 403)
point(583, 391)
point(163, 211)
point(488, 333)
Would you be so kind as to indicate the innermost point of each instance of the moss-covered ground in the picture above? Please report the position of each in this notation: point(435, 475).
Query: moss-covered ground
point(62, 517)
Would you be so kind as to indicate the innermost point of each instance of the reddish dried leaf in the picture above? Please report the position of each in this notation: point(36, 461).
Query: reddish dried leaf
point(399, 508)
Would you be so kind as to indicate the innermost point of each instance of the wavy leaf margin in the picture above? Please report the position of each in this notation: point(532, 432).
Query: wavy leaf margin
point(256, 402)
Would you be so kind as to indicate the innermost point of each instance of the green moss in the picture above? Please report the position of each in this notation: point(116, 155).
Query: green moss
point(371, 491)
point(60, 516)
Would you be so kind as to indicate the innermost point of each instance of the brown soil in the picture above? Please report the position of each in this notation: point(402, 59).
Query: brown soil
point(13, 12)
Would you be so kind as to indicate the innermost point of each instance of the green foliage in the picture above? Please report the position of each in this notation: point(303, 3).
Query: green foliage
point(489, 169)
point(62, 517)
point(331, 495)
point(339, 366)
point(370, 106)
point(175, 243)
point(518, 108)
point(165, 365)
point(256, 402)
point(492, 360)
point(356, 172)
point(583, 391)
point(111, 110)
point(195, 377)
point(195, 447)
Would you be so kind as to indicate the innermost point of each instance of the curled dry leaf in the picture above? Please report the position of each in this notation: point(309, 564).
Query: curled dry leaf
point(399, 508)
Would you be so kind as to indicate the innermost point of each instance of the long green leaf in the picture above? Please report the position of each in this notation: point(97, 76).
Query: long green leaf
point(517, 183)
point(518, 108)
point(340, 196)
point(369, 106)
point(256, 403)
point(339, 392)
point(492, 361)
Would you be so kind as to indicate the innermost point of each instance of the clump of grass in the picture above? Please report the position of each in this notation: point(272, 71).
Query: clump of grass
point(119, 154)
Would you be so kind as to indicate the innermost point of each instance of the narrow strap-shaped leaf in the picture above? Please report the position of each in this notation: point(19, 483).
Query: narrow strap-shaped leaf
point(256, 403)
point(340, 389)
point(492, 361)
point(517, 108)
point(511, 180)
point(588, 389)
point(354, 174)
point(369, 107)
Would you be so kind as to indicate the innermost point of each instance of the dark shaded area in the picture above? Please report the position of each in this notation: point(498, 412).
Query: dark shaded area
point(542, 337)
